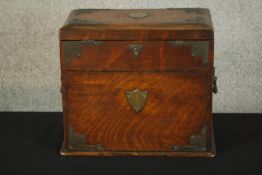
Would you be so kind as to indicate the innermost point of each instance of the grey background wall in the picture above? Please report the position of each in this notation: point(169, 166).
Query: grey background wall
point(29, 53)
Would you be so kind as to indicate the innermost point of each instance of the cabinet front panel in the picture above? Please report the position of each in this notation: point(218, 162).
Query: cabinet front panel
point(139, 111)
point(135, 55)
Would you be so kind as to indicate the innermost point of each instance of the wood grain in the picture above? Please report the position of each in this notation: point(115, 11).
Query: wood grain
point(160, 24)
point(77, 33)
point(179, 85)
point(116, 56)
point(98, 108)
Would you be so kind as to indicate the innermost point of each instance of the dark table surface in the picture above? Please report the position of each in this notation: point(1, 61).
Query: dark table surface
point(30, 143)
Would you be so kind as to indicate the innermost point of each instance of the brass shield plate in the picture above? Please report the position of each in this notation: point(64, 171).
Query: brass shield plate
point(137, 99)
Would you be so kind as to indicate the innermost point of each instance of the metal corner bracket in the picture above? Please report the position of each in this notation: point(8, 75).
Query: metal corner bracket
point(76, 141)
point(199, 48)
point(73, 48)
point(196, 142)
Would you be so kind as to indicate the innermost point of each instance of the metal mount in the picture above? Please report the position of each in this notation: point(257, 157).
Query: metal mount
point(199, 48)
point(76, 141)
point(73, 48)
point(196, 142)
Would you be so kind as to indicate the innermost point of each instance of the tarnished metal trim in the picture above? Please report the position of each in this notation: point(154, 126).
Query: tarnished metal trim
point(199, 140)
point(188, 10)
point(138, 15)
point(196, 142)
point(76, 141)
point(85, 11)
point(135, 49)
point(215, 90)
point(137, 99)
point(73, 48)
point(76, 21)
point(199, 48)
point(188, 148)
point(97, 147)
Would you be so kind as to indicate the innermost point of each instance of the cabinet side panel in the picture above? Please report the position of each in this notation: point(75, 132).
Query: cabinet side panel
point(63, 91)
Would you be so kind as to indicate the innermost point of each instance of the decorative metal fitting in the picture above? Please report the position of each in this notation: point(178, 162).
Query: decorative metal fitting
point(135, 49)
point(73, 48)
point(76, 141)
point(215, 90)
point(196, 142)
point(137, 15)
point(199, 48)
point(137, 99)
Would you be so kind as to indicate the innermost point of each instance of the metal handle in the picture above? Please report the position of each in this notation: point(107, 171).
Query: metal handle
point(215, 90)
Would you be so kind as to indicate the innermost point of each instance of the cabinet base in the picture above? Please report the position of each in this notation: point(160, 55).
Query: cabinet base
point(73, 152)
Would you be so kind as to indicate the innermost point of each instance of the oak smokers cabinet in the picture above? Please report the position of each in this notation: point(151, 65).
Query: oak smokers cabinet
point(137, 82)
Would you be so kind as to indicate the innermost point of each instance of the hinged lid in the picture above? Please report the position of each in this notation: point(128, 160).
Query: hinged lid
point(138, 24)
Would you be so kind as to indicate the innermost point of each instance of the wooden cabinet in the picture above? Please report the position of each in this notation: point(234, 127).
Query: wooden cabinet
point(137, 82)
